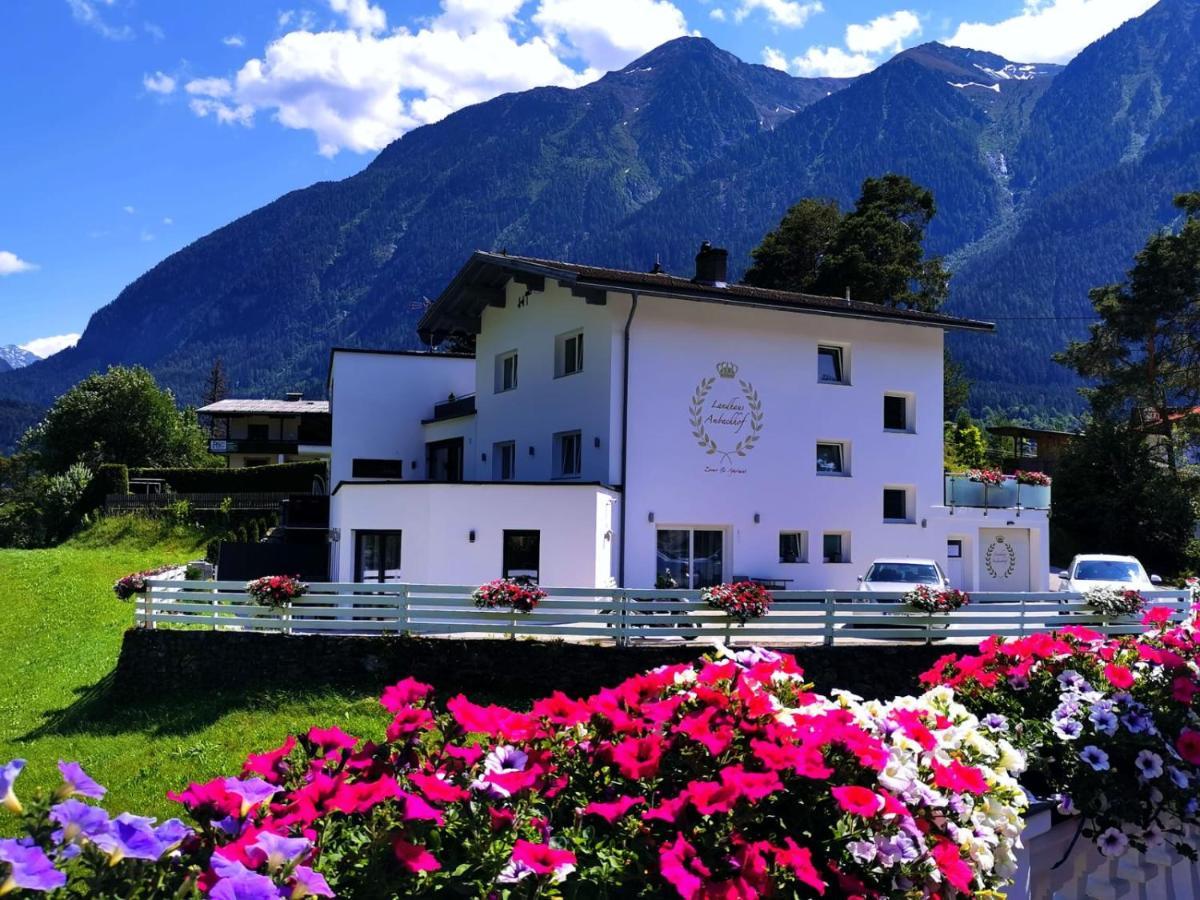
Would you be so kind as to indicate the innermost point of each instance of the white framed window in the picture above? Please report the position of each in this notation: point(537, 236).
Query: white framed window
point(833, 364)
point(833, 458)
point(506, 371)
point(835, 547)
point(568, 454)
point(898, 413)
point(689, 558)
point(793, 547)
point(568, 353)
point(504, 461)
point(898, 503)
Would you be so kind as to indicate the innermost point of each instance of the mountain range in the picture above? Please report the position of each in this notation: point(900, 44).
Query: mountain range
point(1047, 179)
point(14, 357)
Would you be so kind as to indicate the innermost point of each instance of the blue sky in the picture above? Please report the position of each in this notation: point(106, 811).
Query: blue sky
point(133, 127)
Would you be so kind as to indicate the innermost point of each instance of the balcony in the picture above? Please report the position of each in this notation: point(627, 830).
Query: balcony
point(454, 408)
point(225, 446)
point(962, 491)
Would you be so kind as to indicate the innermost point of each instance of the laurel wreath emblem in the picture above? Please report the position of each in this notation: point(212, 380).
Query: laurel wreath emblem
point(705, 440)
point(1012, 559)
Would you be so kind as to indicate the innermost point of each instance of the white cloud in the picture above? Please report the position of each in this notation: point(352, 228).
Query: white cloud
point(146, 235)
point(832, 62)
point(1048, 30)
point(154, 31)
point(608, 35)
point(774, 58)
point(85, 12)
point(357, 89)
point(789, 13)
point(129, 209)
point(717, 14)
point(883, 33)
point(361, 15)
point(159, 83)
point(47, 346)
point(167, 220)
point(11, 264)
point(233, 40)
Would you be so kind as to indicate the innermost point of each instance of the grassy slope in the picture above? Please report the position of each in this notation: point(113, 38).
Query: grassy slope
point(60, 633)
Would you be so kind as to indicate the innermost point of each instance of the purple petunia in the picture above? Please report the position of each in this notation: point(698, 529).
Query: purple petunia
point(28, 868)
point(172, 833)
point(1095, 757)
point(1112, 842)
point(994, 722)
point(77, 781)
point(253, 791)
point(8, 774)
point(1149, 764)
point(239, 883)
point(277, 851)
point(1068, 729)
point(1104, 722)
point(312, 884)
point(78, 820)
point(131, 837)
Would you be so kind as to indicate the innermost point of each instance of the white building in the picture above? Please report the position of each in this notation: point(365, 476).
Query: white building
point(264, 431)
point(614, 427)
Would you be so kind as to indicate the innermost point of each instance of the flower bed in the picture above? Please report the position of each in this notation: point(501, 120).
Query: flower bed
point(990, 477)
point(276, 591)
point(1110, 725)
point(1033, 479)
point(925, 599)
point(136, 583)
point(742, 600)
point(505, 593)
point(1111, 601)
point(724, 778)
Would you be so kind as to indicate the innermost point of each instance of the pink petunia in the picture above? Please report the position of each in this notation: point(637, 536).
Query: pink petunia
point(858, 801)
point(950, 863)
point(682, 868)
point(414, 857)
point(1118, 676)
point(799, 860)
point(1188, 746)
point(960, 778)
point(543, 859)
point(403, 694)
point(638, 758)
point(614, 809)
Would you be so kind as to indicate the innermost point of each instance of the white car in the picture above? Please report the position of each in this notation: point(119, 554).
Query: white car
point(901, 575)
point(1092, 570)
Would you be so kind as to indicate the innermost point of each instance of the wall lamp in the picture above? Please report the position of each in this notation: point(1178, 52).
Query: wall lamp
point(650, 517)
point(757, 518)
point(471, 535)
point(531, 449)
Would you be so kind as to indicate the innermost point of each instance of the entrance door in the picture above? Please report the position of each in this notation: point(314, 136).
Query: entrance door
point(444, 460)
point(690, 558)
point(954, 563)
point(1003, 559)
point(377, 556)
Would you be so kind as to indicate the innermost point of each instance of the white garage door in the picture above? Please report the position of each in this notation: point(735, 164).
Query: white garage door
point(1003, 559)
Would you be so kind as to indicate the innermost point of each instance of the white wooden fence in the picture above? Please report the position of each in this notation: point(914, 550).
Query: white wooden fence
point(621, 615)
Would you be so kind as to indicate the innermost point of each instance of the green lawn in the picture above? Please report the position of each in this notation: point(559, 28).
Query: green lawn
point(60, 633)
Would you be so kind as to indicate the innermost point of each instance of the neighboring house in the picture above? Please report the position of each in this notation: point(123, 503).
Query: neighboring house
point(1030, 449)
point(627, 428)
point(262, 432)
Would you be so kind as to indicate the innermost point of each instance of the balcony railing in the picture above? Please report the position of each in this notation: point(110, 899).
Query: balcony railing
point(249, 445)
point(962, 491)
point(454, 408)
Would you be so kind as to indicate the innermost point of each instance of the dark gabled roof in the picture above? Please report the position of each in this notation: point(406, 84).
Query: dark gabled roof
point(482, 279)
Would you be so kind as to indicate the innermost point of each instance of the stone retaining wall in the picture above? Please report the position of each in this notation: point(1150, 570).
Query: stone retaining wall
point(157, 661)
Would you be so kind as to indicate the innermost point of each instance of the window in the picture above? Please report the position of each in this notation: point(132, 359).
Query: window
point(258, 432)
point(568, 354)
point(793, 546)
point(835, 547)
point(831, 365)
point(896, 505)
point(504, 461)
point(895, 412)
point(377, 468)
point(831, 459)
point(954, 549)
point(689, 558)
point(376, 556)
point(506, 371)
point(444, 460)
point(568, 449)
point(522, 555)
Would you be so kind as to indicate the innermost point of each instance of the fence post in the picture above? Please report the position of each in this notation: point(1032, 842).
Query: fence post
point(403, 610)
point(829, 617)
point(144, 597)
point(623, 631)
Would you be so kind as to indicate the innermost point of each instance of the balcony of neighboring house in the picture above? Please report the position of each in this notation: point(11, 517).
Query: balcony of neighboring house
point(257, 432)
point(1023, 449)
point(961, 490)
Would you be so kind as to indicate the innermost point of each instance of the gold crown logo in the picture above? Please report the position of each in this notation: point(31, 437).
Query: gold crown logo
point(726, 369)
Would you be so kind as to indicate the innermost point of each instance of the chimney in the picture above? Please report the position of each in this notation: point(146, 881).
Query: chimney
point(711, 265)
point(293, 396)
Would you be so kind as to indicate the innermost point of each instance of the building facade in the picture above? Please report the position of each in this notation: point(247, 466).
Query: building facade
point(263, 432)
point(639, 429)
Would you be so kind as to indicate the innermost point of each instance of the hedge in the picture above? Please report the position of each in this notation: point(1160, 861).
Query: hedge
point(296, 477)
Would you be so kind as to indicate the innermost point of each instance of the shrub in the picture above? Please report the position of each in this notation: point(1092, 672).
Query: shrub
point(297, 477)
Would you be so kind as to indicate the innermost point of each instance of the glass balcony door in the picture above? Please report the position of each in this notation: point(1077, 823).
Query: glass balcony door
point(690, 558)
